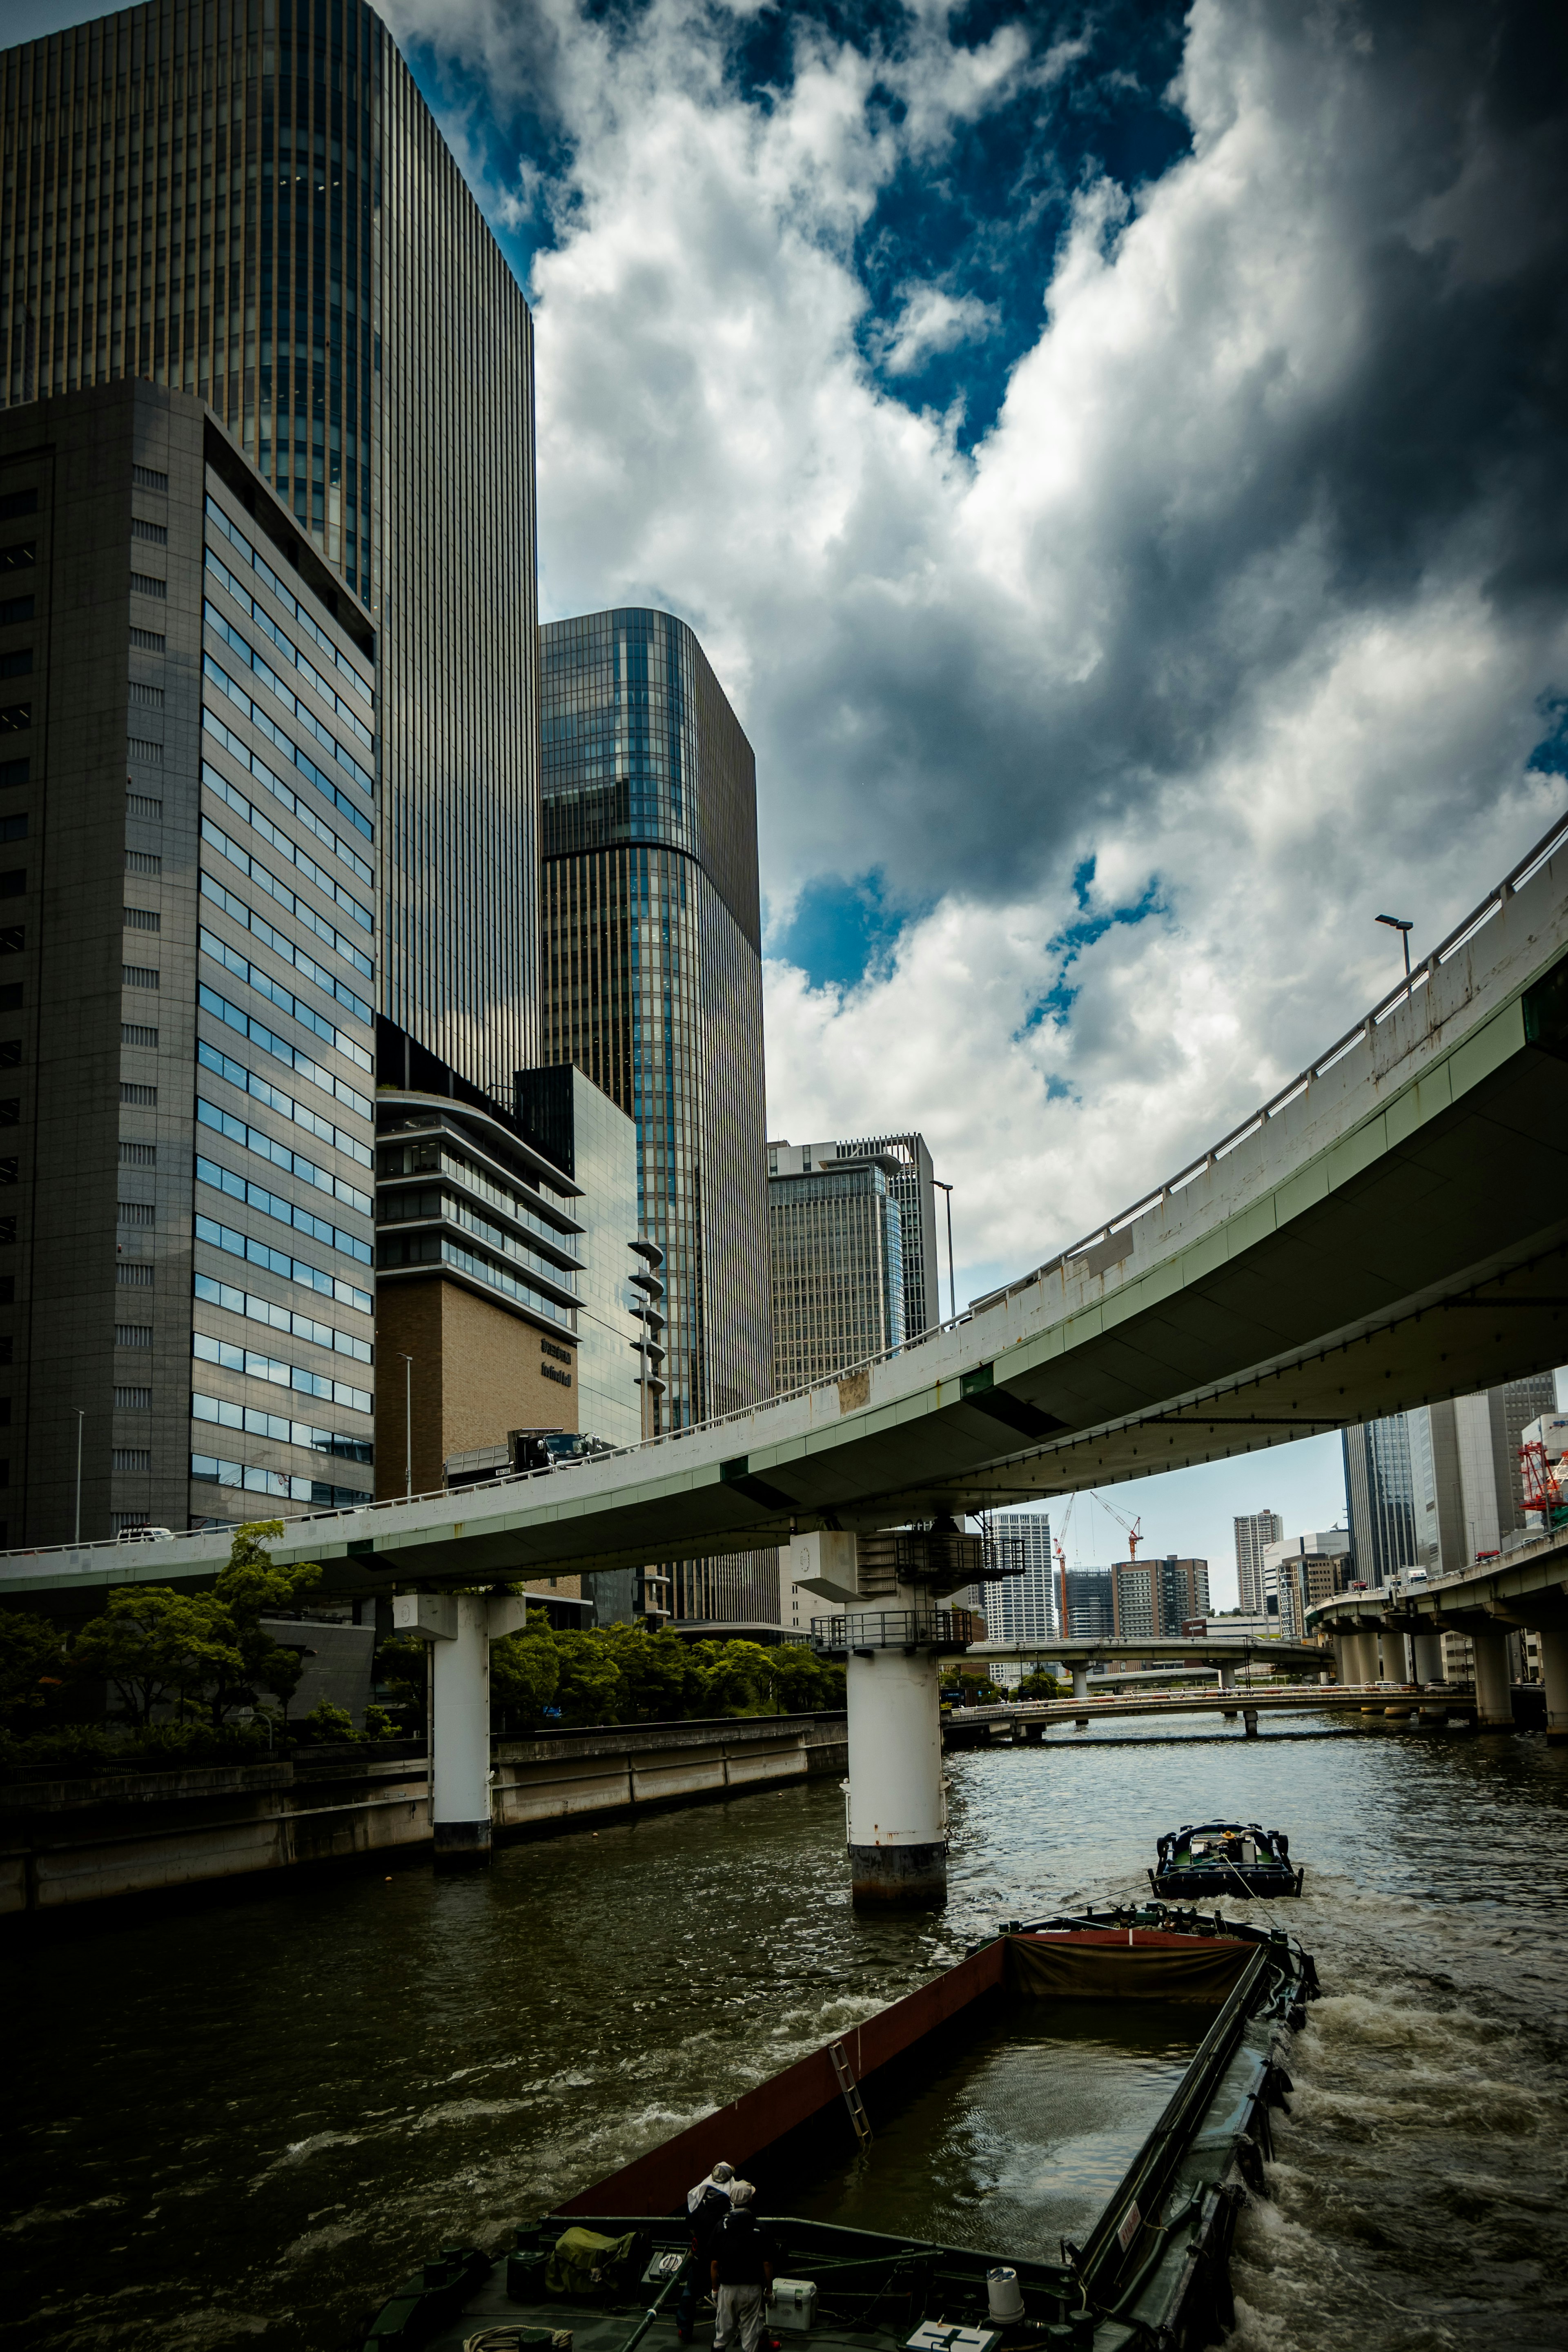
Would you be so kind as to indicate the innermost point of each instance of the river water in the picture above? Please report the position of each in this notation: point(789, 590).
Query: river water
point(241, 2120)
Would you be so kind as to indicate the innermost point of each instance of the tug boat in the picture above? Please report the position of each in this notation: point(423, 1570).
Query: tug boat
point(1214, 1858)
point(1146, 2266)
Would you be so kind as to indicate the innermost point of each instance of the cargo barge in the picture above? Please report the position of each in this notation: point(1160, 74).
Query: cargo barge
point(1151, 2267)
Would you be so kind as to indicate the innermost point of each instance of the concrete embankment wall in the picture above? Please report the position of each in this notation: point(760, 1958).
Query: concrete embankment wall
point(72, 1841)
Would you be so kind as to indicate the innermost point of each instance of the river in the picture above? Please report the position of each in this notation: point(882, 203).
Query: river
point(242, 2120)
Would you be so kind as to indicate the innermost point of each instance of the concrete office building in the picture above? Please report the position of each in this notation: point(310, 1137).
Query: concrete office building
point(836, 1249)
point(256, 208)
point(1022, 1608)
point(1297, 1572)
point(1157, 1596)
point(188, 975)
point(1254, 1531)
point(1440, 1486)
point(912, 1183)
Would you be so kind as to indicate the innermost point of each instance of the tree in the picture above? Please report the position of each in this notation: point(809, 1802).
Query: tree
point(736, 1677)
point(525, 1668)
point(591, 1689)
point(31, 1662)
point(661, 1679)
point(248, 1585)
point(156, 1646)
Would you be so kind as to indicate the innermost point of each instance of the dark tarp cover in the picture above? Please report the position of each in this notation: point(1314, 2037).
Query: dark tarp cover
point(1062, 1967)
point(582, 2261)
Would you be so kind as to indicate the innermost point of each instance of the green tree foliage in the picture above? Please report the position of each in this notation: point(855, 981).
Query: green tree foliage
point(156, 1647)
point(623, 1674)
point(1041, 1683)
point(32, 1655)
point(525, 1668)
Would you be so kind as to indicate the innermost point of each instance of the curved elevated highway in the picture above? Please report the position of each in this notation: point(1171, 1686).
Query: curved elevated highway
point(1392, 1227)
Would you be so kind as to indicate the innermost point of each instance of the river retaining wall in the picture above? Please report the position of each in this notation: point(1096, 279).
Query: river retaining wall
point(71, 1840)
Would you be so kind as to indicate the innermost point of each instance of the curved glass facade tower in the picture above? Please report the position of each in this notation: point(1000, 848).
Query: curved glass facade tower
point(652, 974)
point(249, 200)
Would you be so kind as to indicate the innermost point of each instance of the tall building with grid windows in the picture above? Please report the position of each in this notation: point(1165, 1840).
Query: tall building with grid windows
point(1156, 1597)
point(1253, 1531)
point(912, 1183)
point(835, 1236)
point(1022, 1608)
point(652, 973)
point(187, 976)
point(1441, 1485)
point(253, 205)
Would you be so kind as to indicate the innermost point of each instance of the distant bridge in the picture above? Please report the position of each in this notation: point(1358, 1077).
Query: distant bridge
point(1390, 1227)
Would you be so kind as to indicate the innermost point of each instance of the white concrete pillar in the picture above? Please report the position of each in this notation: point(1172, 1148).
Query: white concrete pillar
point(1426, 1657)
point(898, 1806)
point(1228, 1677)
point(459, 1628)
point(1080, 1678)
point(1554, 1673)
point(1494, 1701)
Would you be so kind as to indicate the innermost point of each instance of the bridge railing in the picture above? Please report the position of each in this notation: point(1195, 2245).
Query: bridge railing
point(1088, 1252)
point(892, 1629)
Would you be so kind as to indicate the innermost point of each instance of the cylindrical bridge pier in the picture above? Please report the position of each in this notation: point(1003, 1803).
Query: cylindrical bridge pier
point(459, 1628)
point(898, 1803)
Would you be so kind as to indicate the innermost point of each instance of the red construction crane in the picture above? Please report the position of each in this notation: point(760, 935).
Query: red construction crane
point(1133, 1529)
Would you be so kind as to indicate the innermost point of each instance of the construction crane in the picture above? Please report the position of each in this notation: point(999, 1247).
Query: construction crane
point(1056, 1547)
point(1132, 1529)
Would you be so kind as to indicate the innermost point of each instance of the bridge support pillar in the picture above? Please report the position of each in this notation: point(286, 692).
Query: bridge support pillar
point(1554, 1671)
point(1228, 1677)
point(898, 1808)
point(1080, 1678)
point(459, 1628)
point(1494, 1701)
point(1426, 1658)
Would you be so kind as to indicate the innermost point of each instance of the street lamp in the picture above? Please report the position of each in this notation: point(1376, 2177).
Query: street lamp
point(408, 1427)
point(80, 1412)
point(1397, 923)
point(952, 1286)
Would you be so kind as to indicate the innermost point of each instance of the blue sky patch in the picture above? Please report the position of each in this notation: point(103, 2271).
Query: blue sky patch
point(841, 930)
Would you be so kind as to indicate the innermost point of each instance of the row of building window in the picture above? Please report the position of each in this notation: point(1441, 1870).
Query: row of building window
point(264, 573)
point(300, 712)
point(282, 1318)
point(206, 1470)
point(276, 1261)
point(291, 1056)
point(251, 920)
point(402, 1208)
point(278, 1155)
point(399, 1250)
point(217, 675)
point(251, 1082)
point(257, 1367)
point(299, 859)
point(295, 1006)
point(291, 902)
point(285, 645)
point(280, 1429)
point(255, 766)
point(288, 1213)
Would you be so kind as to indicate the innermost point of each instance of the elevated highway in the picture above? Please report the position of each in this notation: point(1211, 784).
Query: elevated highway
point(1525, 1590)
point(1390, 1227)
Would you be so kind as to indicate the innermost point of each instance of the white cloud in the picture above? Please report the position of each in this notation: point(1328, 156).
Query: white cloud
point(1251, 592)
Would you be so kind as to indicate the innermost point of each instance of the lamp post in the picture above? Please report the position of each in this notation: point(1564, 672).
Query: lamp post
point(952, 1286)
point(1398, 923)
point(409, 1428)
point(80, 1412)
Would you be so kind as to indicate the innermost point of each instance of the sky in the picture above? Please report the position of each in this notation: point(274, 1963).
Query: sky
point(1114, 458)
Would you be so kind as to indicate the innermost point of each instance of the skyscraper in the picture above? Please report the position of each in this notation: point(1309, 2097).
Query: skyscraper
point(1155, 1596)
point(1440, 1486)
point(652, 973)
point(1252, 1533)
point(1022, 1608)
point(835, 1236)
point(187, 972)
point(912, 1185)
point(253, 205)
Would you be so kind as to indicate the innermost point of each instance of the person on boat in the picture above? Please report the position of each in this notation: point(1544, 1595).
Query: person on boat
point(706, 2204)
point(742, 2269)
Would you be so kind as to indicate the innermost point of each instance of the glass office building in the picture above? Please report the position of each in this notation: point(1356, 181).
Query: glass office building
point(652, 973)
point(252, 203)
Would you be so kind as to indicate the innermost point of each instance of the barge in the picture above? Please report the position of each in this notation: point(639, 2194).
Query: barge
point(1149, 2266)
